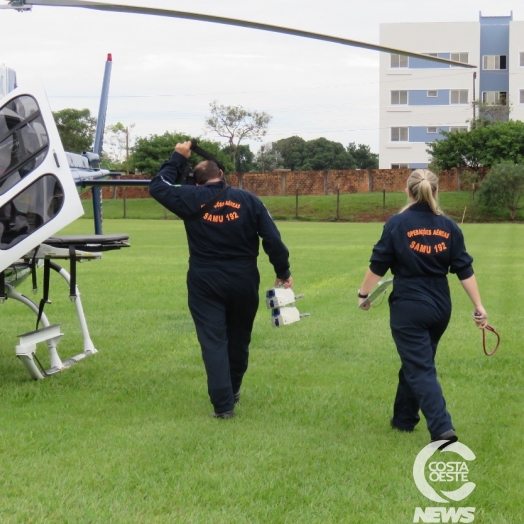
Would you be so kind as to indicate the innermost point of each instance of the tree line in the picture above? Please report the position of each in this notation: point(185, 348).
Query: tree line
point(77, 129)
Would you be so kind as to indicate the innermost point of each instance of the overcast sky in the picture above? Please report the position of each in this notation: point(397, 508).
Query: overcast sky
point(166, 71)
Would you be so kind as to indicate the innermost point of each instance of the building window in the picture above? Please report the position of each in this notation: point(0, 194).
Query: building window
point(399, 166)
point(492, 62)
point(521, 93)
point(521, 59)
point(432, 94)
point(399, 134)
point(458, 129)
point(458, 96)
point(460, 57)
point(399, 97)
point(494, 98)
point(399, 61)
point(432, 129)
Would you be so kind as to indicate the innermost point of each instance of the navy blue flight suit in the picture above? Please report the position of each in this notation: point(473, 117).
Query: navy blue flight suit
point(420, 247)
point(223, 277)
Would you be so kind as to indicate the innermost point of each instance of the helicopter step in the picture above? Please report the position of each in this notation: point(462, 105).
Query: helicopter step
point(26, 350)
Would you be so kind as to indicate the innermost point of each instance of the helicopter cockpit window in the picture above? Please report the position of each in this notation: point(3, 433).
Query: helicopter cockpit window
point(36, 205)
point(23, 140)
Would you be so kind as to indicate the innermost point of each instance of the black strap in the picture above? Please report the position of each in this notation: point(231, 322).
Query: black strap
point(3, 294)
point(33, 270)
point(45, 298)
point(205, 154)
point(72, 272)
point(209, 204)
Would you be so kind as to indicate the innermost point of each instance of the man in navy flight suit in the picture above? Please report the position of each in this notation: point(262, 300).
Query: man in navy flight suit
point(223, 277)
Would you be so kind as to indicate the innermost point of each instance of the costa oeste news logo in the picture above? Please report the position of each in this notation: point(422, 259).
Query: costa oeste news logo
point(431, 468)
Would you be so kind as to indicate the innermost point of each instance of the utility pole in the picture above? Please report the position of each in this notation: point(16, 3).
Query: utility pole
point(127, 150)
point(473, 123)
point(127, 171)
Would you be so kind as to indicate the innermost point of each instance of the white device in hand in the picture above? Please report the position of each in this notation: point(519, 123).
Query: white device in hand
point(281, 302)
point(379, 291)
point(280, 296)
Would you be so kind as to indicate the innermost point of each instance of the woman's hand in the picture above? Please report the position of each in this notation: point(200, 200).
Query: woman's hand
point(366, 307)
point(480, 317)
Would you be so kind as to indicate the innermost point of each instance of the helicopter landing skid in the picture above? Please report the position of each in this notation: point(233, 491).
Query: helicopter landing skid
point(59, 248)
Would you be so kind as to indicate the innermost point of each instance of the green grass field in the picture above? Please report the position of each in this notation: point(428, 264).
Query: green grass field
point(125, 436)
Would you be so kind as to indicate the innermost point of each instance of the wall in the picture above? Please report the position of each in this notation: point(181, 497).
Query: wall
point(286, 183)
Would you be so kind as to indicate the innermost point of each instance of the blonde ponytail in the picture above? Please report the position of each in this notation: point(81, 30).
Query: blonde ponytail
point(422, 186)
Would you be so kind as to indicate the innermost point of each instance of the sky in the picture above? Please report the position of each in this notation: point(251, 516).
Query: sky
point(167, 71)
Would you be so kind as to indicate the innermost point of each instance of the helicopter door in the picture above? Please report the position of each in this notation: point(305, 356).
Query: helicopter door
point(38, 196)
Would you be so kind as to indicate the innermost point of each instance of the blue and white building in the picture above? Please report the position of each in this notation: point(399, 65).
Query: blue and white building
point(419, 99)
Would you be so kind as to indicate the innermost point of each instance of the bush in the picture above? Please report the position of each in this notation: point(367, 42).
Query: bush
point(503, 187)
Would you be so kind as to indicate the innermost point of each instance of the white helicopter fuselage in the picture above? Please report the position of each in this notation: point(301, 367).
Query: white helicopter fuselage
point(38, 192)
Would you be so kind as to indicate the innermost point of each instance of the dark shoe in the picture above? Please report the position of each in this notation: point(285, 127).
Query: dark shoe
point(450, 436)
point(236, 397)
point(405, 430)
point(226, 414)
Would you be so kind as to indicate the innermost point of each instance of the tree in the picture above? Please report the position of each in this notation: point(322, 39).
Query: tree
point(76, 128)
point(268, 158)
point(298, 155)
point(244, 158)
point(482, 146)
point(291, 151)
point(117, 146)
point(149, 152)
point(503, 187)
point(489, 114)
point(322, 153)
point(236, 124)
point(363, 157)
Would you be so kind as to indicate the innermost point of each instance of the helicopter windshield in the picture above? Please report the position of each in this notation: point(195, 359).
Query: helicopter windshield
point(36, 205)
point(23, 140)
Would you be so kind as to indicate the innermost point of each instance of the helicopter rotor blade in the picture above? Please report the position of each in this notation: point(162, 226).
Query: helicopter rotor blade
point(121, 8)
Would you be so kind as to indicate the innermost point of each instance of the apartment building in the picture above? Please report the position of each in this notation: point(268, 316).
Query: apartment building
point(419, 99)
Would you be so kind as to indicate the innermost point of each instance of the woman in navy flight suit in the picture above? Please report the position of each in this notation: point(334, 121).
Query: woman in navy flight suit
point(420, 245)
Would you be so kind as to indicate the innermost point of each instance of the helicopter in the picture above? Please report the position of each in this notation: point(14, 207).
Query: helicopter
point(39, 195)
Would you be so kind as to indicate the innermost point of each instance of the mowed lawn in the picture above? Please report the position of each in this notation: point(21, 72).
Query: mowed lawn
point(125, 436)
